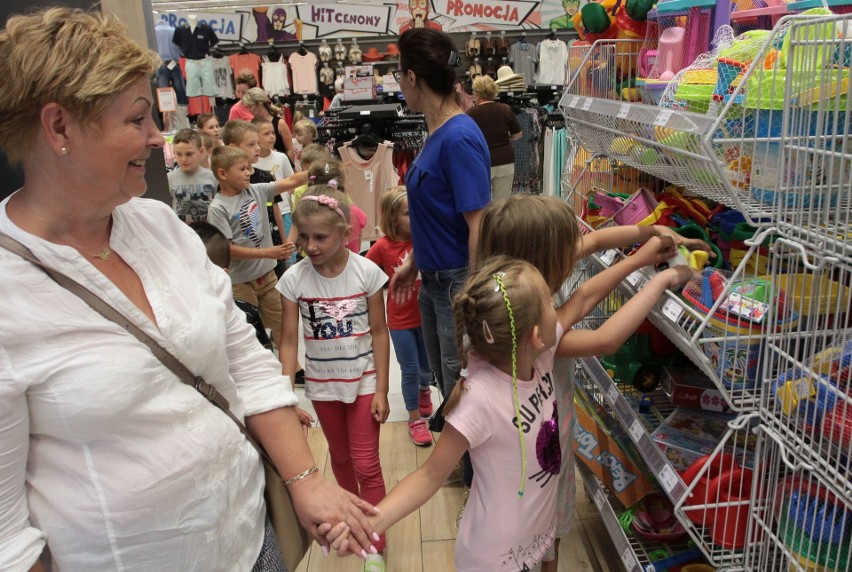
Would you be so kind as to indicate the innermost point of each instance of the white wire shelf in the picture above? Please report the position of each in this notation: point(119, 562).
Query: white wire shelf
point(635, 553)
point(639, 427)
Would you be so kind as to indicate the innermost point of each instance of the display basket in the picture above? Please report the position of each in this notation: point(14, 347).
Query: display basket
point(808, 373)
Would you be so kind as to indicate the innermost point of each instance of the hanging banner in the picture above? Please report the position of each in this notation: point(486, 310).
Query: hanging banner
point(484, 14)
point(340, 19)
point(227, 25)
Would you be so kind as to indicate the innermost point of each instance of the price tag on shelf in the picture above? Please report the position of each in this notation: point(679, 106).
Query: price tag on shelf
point(600, 499)
point(554, 88)
point(623, 111)
point(364, 112)
point(608, 257)
point(672, 310)
point(587, 105)
point(510, 94)
point(628, 559)
point(574, 101)
point(636, 279)
point(636, 430)
point(668, 478)
point(663, 117)
point(612, 393)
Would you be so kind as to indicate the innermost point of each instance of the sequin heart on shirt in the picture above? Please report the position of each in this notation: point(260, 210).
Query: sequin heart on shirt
point(338, 309)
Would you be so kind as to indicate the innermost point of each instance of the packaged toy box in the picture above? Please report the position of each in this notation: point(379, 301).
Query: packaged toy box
point(688, 434)
point(691, 388)
point(606, 450)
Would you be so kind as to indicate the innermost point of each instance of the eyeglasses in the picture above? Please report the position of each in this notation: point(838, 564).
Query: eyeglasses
point(397, 75)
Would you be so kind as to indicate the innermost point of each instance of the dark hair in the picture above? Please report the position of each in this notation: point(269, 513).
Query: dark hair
point(428, 52)
point(218, 247)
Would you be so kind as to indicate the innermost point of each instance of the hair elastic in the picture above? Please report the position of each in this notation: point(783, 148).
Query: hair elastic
point(502, 288)
point(332, 183)
point(326, 201)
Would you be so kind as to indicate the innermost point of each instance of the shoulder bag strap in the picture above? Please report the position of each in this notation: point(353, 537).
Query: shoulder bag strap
point(165, 356)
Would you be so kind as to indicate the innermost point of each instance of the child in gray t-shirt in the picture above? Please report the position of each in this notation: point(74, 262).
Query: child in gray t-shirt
point(190, 185)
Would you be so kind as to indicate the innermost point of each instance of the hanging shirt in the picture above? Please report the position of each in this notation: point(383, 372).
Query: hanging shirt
point(304, 69)
point(523, 57)
point(246, 63)
point(195, 43)
point(367, 180)
point(223, 78)
point(553, 62)
point(165, 47)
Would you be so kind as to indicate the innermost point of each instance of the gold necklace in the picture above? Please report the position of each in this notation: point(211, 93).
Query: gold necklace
point(103, 255)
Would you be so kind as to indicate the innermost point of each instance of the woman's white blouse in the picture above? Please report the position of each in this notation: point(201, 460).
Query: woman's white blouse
point(105, 456)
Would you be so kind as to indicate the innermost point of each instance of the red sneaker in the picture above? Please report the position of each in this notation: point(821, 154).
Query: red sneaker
point(425, 405)
point(419, 433)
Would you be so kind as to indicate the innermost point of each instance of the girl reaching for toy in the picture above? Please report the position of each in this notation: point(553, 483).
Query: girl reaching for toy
point(503, 410)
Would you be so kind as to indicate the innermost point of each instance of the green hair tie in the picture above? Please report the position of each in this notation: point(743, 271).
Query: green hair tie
point(502, 288)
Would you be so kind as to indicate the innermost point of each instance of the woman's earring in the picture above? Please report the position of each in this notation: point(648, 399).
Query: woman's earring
point(63, 150)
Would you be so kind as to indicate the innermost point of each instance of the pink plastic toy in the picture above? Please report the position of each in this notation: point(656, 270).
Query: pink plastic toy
point(670, 51)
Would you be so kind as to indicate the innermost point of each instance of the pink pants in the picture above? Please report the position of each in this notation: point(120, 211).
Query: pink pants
point(353, 442)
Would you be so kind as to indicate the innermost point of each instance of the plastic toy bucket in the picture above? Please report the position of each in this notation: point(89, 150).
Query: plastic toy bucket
point(653, 90)
point(733, 490)
point(700, 493)
point(695, 98)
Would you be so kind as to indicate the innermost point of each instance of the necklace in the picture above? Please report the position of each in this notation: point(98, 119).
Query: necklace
point(103, 255)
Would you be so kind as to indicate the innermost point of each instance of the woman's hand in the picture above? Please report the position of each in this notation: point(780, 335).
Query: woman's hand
point(322, 507)
point(380, 408)
point(402, 282)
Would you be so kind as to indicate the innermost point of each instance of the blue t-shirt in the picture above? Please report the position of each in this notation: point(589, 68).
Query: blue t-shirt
point(450, 176)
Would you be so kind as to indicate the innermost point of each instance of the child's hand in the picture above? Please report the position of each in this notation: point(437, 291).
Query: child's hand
point(677, 276)
point(280, 251)
point(305, 418)
point(657, 249)
point(343, 543)
point(380, 408)
point(690, 243)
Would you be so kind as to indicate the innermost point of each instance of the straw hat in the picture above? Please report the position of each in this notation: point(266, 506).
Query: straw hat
point(508, 80)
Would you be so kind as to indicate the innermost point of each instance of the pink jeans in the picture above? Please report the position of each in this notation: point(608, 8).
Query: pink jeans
point(353, 442)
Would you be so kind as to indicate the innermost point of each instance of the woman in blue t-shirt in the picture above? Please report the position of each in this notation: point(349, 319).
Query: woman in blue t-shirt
point(448, 186)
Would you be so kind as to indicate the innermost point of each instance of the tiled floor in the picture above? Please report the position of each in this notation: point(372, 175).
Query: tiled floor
point(424, 540)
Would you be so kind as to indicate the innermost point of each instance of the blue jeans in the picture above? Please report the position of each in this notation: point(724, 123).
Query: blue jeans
point(439, 331)
point(413, 364)
point(172, 78)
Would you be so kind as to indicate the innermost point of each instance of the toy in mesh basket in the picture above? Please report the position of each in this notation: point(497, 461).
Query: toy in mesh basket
point(735, 332)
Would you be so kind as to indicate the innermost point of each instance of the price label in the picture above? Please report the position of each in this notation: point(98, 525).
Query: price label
point(554, 88)
point(364, 112)
point(636, 430)
point(574, 101)
point(636, 279)
point(608, 257)
point(612, 393)
point(663, 117)
point(510, 94)
point(668, 478)
point(628, 559)
point(600, 499)
point(623, 111)
point(587, 104)
point(672, 310)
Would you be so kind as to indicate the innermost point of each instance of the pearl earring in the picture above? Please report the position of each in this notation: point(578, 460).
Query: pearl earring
point(64, 150)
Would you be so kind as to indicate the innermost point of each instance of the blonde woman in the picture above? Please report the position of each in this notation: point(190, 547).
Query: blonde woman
point(500, 127)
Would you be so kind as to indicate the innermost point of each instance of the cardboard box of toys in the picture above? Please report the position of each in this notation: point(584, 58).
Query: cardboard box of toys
point(691, 388)
point(608, 452)
point(687, 435)
point(359, 83)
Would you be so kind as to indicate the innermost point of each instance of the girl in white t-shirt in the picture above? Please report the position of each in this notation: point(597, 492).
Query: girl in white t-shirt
point(340, 300)
point(503, 410)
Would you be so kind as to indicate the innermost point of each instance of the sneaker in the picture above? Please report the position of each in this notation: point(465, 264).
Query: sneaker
point(374, 563)
point(425, 405)
point(419, 433)
point(300, 378)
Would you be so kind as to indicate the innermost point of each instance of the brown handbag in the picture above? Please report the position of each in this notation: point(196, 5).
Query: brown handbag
point(292, 538)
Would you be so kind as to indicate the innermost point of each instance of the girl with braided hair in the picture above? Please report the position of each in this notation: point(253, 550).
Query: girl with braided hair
point(504, 407)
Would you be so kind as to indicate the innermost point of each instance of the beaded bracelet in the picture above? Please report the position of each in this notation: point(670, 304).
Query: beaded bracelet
point(301, 475)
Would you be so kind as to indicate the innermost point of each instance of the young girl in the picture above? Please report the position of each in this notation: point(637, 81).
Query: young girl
point(545, 221)
point(330, 172)
point(340, 300)
point(404, 319)
point(304, 133)
point(208, 123)
point(504, 410)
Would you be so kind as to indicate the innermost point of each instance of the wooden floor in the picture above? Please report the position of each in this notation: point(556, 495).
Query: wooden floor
point(424, 540)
